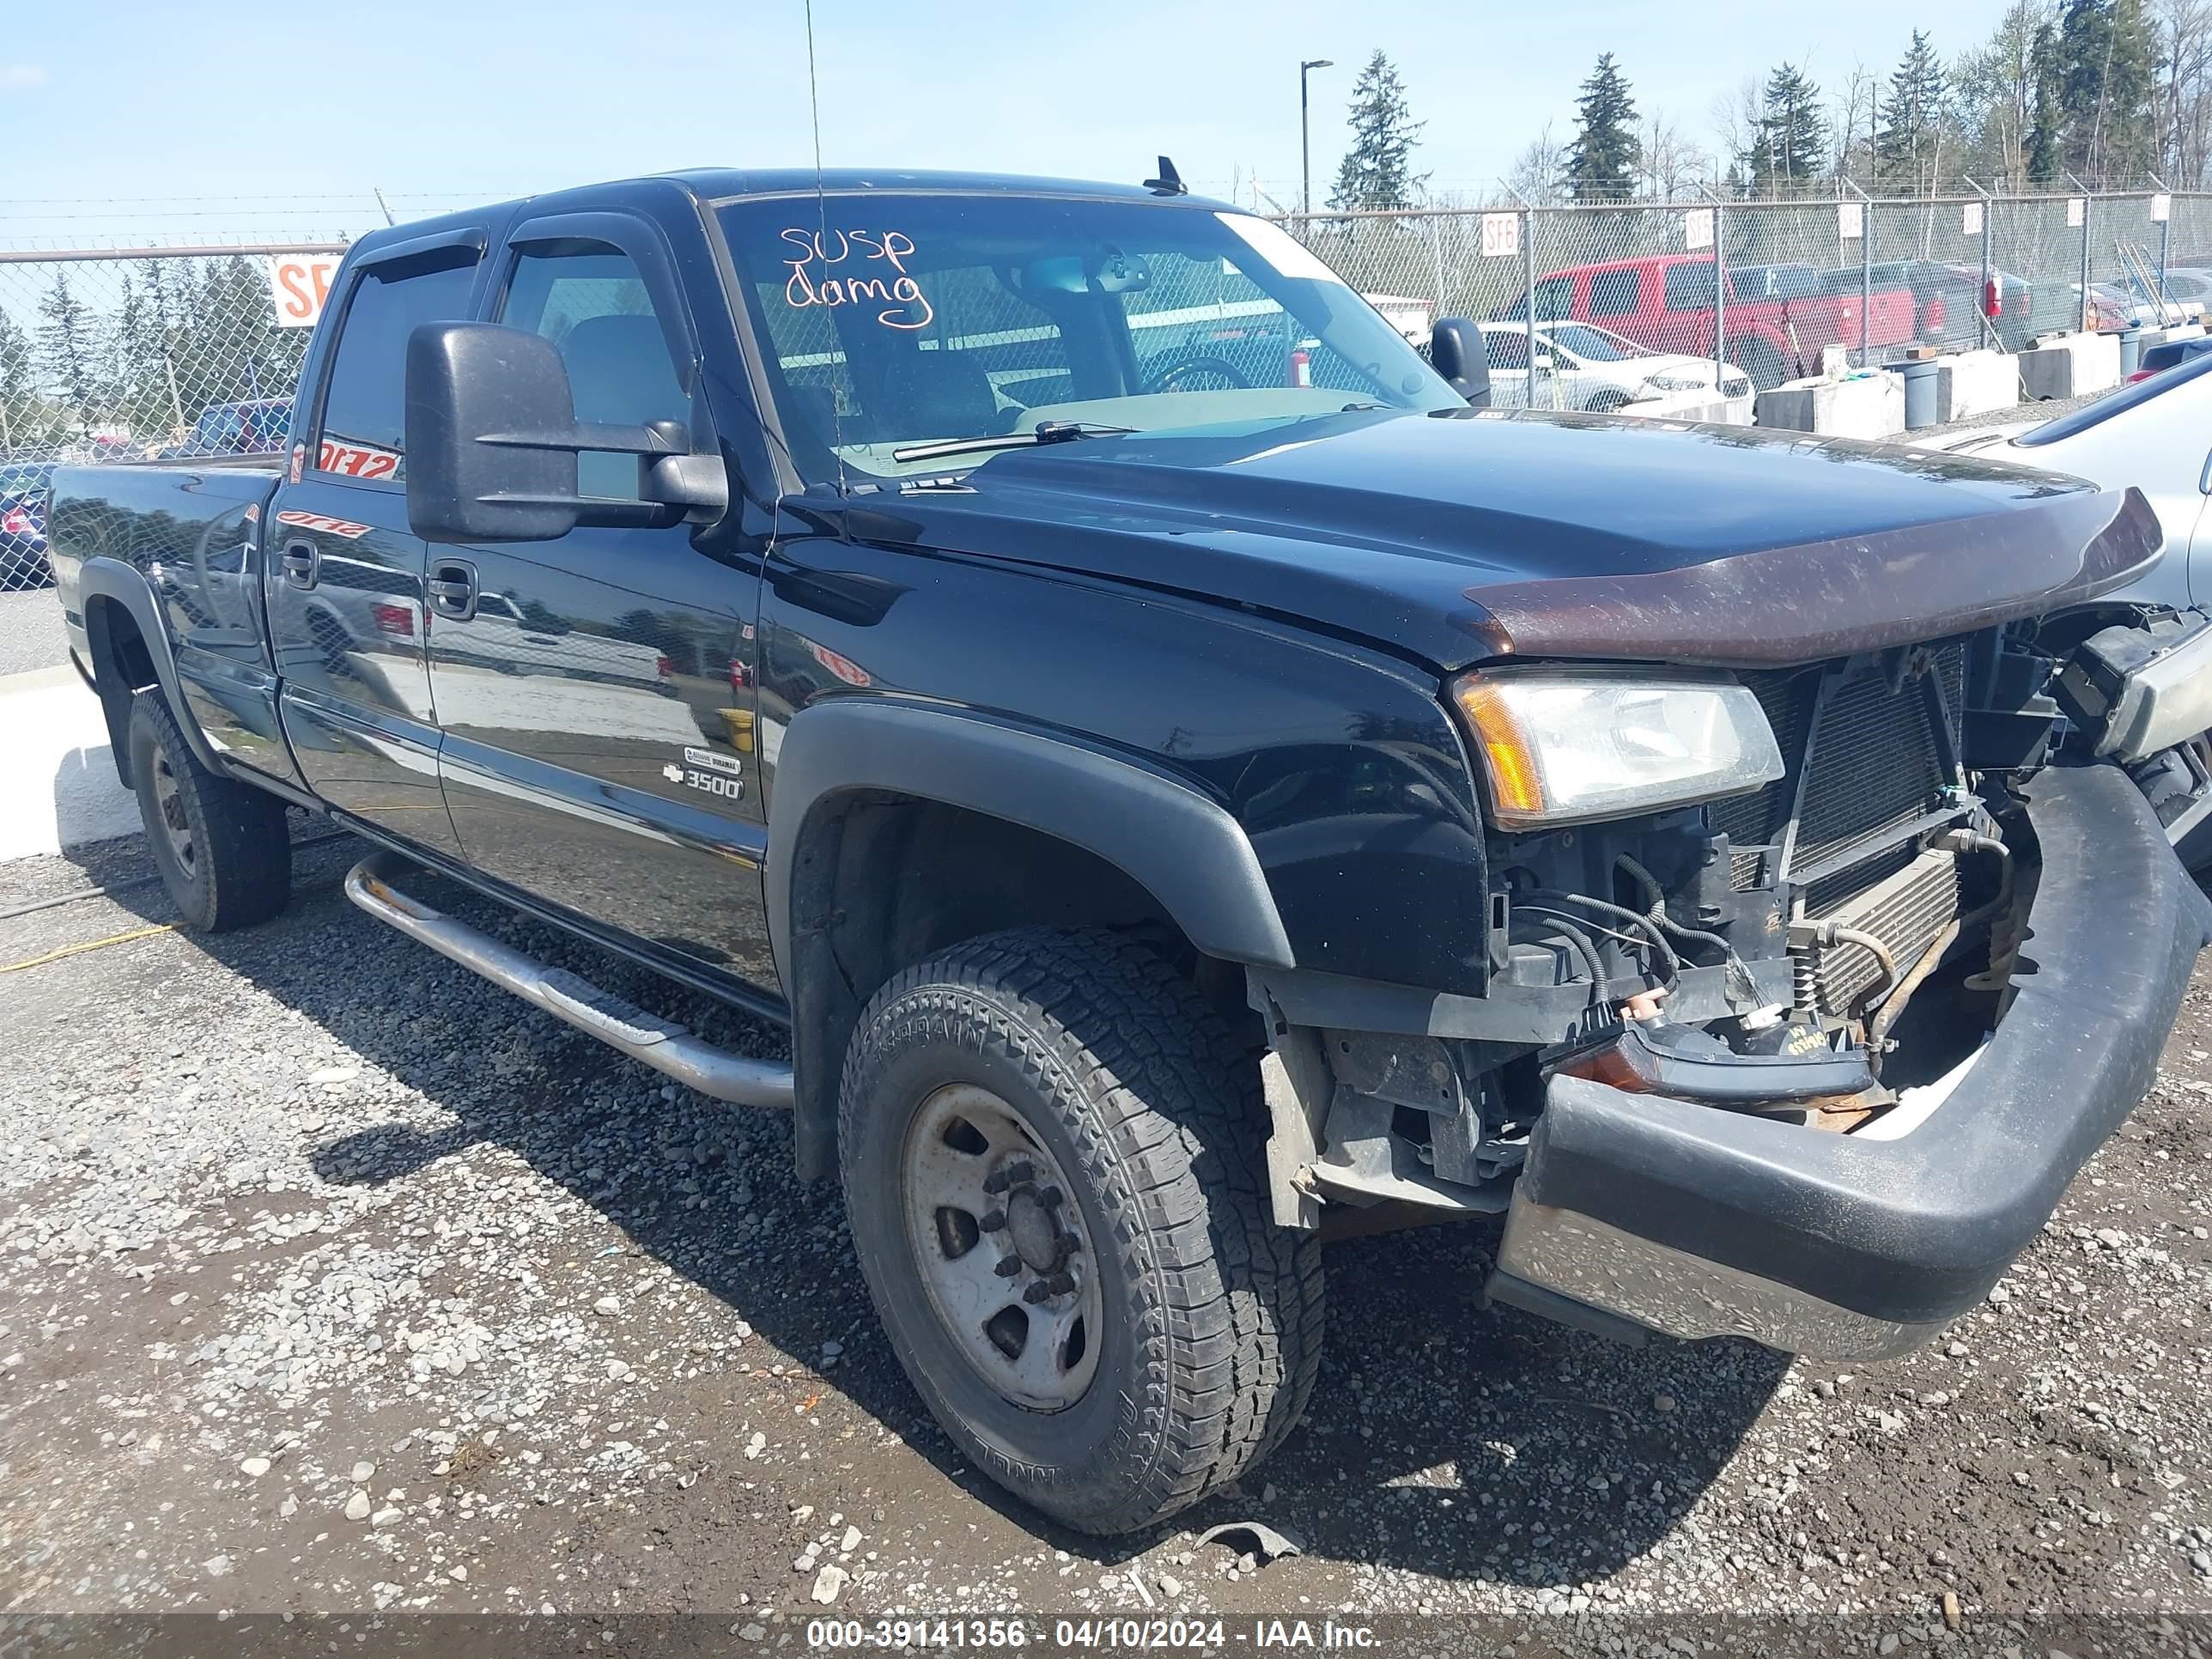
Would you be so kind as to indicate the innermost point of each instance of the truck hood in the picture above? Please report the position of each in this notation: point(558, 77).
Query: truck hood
point(1479, 533)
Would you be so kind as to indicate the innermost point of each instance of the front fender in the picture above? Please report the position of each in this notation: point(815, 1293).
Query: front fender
point(1180, 846)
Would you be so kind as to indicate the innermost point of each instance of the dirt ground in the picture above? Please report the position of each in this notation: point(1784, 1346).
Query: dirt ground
point(332, 1279)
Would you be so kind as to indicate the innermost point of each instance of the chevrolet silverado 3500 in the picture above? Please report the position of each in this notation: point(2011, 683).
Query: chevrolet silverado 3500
point(1179, 771)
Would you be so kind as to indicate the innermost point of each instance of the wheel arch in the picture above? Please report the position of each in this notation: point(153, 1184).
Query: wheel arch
point(131, 650)
point(983, 825)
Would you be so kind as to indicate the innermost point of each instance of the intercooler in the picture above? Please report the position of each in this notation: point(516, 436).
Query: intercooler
point(1870, 760)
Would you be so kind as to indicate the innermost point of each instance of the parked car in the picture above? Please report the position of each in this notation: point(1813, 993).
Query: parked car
point(2156, 359)
point(2183, 283)
point(1182, 809)
point(2147, 437)
point(23, 524)
point(1581, 366)
point(255, 427)
point(1666, 301)
point(2123, 304)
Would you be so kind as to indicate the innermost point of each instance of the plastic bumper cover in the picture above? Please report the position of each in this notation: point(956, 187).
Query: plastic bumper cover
point(1701, 1223)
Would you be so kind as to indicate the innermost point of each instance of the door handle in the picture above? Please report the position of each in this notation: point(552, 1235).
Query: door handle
point(303, 563)
point(452, 588)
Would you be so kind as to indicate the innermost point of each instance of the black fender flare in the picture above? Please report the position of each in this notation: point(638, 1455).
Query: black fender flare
point(103, 578)
point(1181, 847)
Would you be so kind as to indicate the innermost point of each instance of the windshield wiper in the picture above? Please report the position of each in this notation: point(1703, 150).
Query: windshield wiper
point(1046, 432)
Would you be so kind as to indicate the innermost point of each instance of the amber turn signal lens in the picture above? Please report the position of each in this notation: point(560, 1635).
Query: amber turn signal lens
point(1515, 778)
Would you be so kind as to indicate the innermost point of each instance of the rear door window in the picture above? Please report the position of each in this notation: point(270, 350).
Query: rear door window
point(1613, 294)
point(1690, 287)
point(364, 408)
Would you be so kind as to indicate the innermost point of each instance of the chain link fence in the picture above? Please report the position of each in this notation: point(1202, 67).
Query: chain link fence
point(1872, 277)
point(127, 353)
point(151, 351)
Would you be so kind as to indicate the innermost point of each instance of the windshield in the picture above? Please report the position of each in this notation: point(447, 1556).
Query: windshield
point(1593, 344)
point(893, 320)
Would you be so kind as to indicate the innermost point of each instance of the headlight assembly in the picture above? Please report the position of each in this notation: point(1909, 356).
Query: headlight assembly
point(1569, 747)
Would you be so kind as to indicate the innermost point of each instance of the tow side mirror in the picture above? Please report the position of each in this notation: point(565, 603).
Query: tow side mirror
point(492, 439)
point(1456, 352)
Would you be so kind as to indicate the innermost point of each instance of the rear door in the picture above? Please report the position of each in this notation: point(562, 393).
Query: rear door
point(343, 573)
point(596, 691)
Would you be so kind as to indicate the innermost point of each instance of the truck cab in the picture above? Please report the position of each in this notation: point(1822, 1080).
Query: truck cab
point(1177, 770)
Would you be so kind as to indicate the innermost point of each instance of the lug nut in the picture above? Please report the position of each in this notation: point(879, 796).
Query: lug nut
point(1039, 1291)
point(1059, 1284)
point(1052, 1198)
point(1020, 1173)
point(995, 1182)
point(994, 1221)
point(1008, 1267)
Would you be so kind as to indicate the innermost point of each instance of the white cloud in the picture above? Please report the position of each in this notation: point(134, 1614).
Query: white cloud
point(22, 77)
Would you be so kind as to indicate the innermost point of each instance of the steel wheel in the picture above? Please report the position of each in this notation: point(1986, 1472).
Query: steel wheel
point(177, 826)
point(1000, 1248)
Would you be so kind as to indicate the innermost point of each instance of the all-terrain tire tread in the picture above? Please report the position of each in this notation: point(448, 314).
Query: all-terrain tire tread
point(1227, 1306)
point(246, 845)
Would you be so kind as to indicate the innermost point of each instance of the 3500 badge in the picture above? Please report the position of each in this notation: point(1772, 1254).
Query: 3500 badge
point(704, 770)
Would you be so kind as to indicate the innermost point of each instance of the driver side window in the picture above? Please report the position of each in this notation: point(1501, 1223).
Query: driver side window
point(591, 302)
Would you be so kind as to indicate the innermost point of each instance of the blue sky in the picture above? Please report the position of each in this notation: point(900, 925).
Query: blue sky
point(125, 116)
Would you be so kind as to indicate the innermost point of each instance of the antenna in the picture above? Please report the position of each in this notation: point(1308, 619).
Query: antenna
point(821, 233)
point(1169, 183)
point(385, 205)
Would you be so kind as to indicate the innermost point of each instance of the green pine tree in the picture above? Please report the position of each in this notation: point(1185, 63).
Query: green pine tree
point(231, 348)
point(1790, 147)
point(68, 342)
point(2041, 158)
point(1603, 160)
point(2108, 63)
point(21, 419)
point(1377, 170)
point(1906, 143)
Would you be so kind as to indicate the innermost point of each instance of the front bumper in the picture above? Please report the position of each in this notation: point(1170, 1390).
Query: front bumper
point(1702, 1223)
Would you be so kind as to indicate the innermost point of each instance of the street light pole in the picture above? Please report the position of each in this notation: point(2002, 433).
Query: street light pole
point(1305, 134)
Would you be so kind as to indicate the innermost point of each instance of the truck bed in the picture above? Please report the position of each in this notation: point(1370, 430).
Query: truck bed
point(193, 530)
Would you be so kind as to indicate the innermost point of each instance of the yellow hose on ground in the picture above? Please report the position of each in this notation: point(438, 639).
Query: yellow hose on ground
point(93, 945)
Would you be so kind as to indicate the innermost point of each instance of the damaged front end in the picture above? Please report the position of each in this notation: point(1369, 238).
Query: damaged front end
point(1808, 1061)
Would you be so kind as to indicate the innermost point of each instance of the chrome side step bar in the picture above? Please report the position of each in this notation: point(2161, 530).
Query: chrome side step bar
point(662, 1044)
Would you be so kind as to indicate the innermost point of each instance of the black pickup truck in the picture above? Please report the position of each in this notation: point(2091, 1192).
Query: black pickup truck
point(1180, 772)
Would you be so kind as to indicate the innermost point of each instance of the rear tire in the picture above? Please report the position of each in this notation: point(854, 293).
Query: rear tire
point(223, 848)
point(1082, 1061)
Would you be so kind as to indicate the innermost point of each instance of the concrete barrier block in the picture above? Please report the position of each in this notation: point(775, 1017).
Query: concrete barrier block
point(2151, 336)
point(1871, 406)
point(2069, 365)
point(1973, 383)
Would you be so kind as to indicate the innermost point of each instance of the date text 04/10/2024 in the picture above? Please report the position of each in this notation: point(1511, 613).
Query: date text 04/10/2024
point(1199, 1635)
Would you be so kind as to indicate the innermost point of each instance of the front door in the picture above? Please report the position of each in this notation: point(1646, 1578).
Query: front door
point(344, 575)
point(596, 691)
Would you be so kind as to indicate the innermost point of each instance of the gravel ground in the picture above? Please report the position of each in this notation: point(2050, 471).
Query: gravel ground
point(332, 1279)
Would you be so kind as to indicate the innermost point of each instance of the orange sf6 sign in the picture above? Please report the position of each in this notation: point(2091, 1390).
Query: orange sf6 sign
point(299, 284)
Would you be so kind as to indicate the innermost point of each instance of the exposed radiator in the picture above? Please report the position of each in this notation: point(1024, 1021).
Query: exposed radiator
point(1904, 909)
point(1875, 762)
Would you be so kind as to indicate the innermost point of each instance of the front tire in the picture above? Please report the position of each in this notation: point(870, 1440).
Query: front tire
point(1051, 1140)
point(223, 848)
